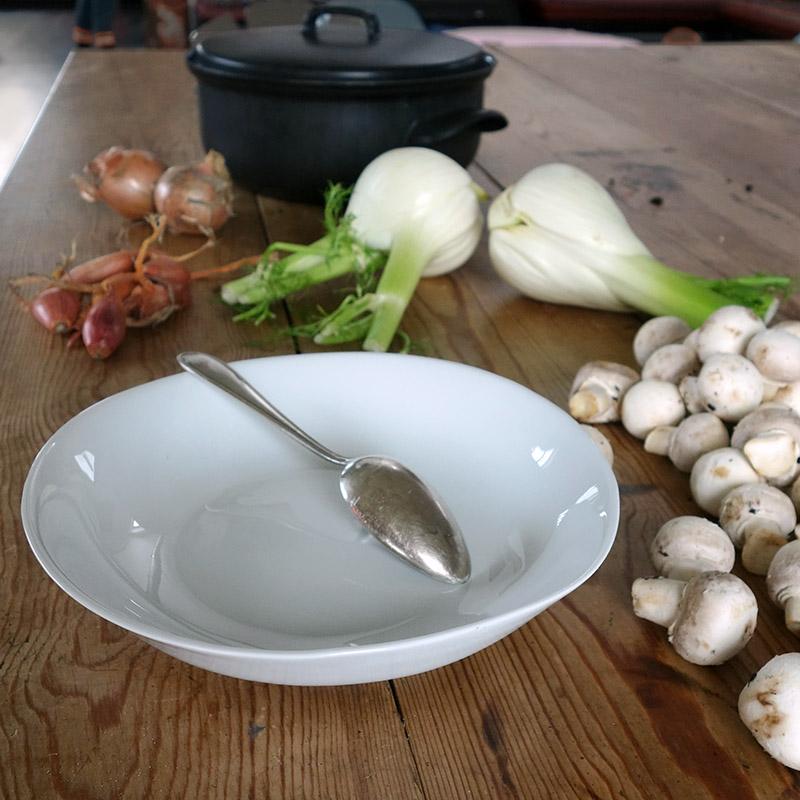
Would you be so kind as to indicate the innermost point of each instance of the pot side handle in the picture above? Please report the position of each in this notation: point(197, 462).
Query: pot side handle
point(427, 132)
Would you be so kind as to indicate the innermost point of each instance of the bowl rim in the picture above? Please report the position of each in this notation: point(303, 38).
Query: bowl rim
point(341, 652)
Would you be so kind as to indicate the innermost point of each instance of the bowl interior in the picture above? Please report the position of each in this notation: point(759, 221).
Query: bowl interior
point(179, 514)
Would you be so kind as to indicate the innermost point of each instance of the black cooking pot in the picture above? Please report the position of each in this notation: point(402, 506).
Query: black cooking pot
point(293, 108)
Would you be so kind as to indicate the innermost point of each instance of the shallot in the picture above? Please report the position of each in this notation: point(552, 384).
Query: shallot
point(123, 178)
point(197, 198)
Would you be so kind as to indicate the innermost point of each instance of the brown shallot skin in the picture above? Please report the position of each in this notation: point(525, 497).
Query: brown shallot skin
point(104, 327)
point(56, 309)
point(163, 270)
point(102, 267)
point(197, 198)
point(122, 178)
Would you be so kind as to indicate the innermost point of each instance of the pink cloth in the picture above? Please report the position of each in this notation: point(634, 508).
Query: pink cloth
point(517, 36)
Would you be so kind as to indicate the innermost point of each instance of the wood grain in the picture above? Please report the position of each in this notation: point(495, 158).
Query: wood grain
point(88, 711)
point(586, 701)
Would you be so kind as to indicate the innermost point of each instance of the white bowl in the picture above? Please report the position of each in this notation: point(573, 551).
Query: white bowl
point(183, 516)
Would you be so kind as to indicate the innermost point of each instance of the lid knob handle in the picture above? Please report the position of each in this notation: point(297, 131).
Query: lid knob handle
point(311, 22)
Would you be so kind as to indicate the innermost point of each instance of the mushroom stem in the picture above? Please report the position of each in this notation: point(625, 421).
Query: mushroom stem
point(589, 403)
point(772, 453)
point(658, 440)
point(657, 599)
point(791, 612)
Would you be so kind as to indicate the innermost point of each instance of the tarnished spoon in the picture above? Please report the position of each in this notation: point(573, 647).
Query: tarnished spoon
point(386, 497)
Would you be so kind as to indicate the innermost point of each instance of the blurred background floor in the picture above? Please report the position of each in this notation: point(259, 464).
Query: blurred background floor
point(35, 35)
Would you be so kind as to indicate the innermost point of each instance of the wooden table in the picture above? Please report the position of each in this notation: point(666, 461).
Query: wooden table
point(586, 701)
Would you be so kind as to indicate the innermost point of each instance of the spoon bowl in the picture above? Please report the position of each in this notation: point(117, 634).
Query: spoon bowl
point(387, 498)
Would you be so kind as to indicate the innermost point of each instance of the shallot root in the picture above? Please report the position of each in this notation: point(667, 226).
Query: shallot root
point(97, 301)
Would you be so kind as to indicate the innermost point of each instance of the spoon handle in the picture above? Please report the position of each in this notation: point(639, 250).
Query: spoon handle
point(224, 377)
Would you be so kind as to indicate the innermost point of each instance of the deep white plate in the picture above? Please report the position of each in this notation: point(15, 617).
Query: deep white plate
point(183, 516)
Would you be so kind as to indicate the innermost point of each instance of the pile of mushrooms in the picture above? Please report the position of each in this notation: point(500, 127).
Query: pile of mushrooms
point(722, 403)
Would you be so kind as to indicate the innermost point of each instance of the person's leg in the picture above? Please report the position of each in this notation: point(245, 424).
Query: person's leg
point(103, 14)
point(82, 32)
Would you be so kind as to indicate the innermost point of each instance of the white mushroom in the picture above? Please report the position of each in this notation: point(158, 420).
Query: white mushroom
point(716, 473)
point(655, 333)
point(794, 494)
point(788, 395)
point(672, 363)
point(770, 708)
point(694, 436)
point(759, 519)
point(783, 583)
point(601, 440)
point(691, 396)
point(597, 390)
point(729, 386)
point(727, 330)
point(776, 354)
point(648, 404)
point(709, 619)
point(770, 438)
point(789, 326)
point(686, 546)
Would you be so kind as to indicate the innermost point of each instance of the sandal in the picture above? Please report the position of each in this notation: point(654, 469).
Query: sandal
point(81, 37)
point(105, 39)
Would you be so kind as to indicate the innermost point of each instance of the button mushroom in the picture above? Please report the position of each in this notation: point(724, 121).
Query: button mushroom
point(770, 708)
point(729, 386)
point(672, 363)
point(686, 546)
point(770, 438)
point(601, 440)
point(788, 395)
point(776, 354)
point(714, 474)
point(727, 330)
point(759, 519)
point(783, 583)
point(648, 404)
point(656, 333)
point(709, 619)
point(684, 444)
point(597, 389)
point(789, 326)
point(690, 394)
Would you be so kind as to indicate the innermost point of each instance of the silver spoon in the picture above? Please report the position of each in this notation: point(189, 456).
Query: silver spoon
point(385, 497)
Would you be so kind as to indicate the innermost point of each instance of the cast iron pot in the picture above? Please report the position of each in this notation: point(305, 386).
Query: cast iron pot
point(293, 108)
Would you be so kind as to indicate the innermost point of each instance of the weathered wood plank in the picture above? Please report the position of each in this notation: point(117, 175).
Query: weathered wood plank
point(87, 710)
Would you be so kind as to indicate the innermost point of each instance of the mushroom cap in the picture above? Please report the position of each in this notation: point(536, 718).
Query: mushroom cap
point(672, 363)
point(657, 332)
point(715, 473)
point(770, 437)
point(686, 546)
point(789, 326)
point(599, 385)
point(716, 618)
point(776, 354)
point(727, 330)
point(783, 575)
point(729, 386)
point(753, 503)
point(768, 417)
point(649, 404)
point(770, 708)
point(788, 395)
point(697, 434)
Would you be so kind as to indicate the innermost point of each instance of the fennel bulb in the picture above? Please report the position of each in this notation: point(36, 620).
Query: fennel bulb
point(413, 212)
point(423, 208)
point(557, 235)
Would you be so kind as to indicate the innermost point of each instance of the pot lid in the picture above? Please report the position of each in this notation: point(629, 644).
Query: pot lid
point(325, 52)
